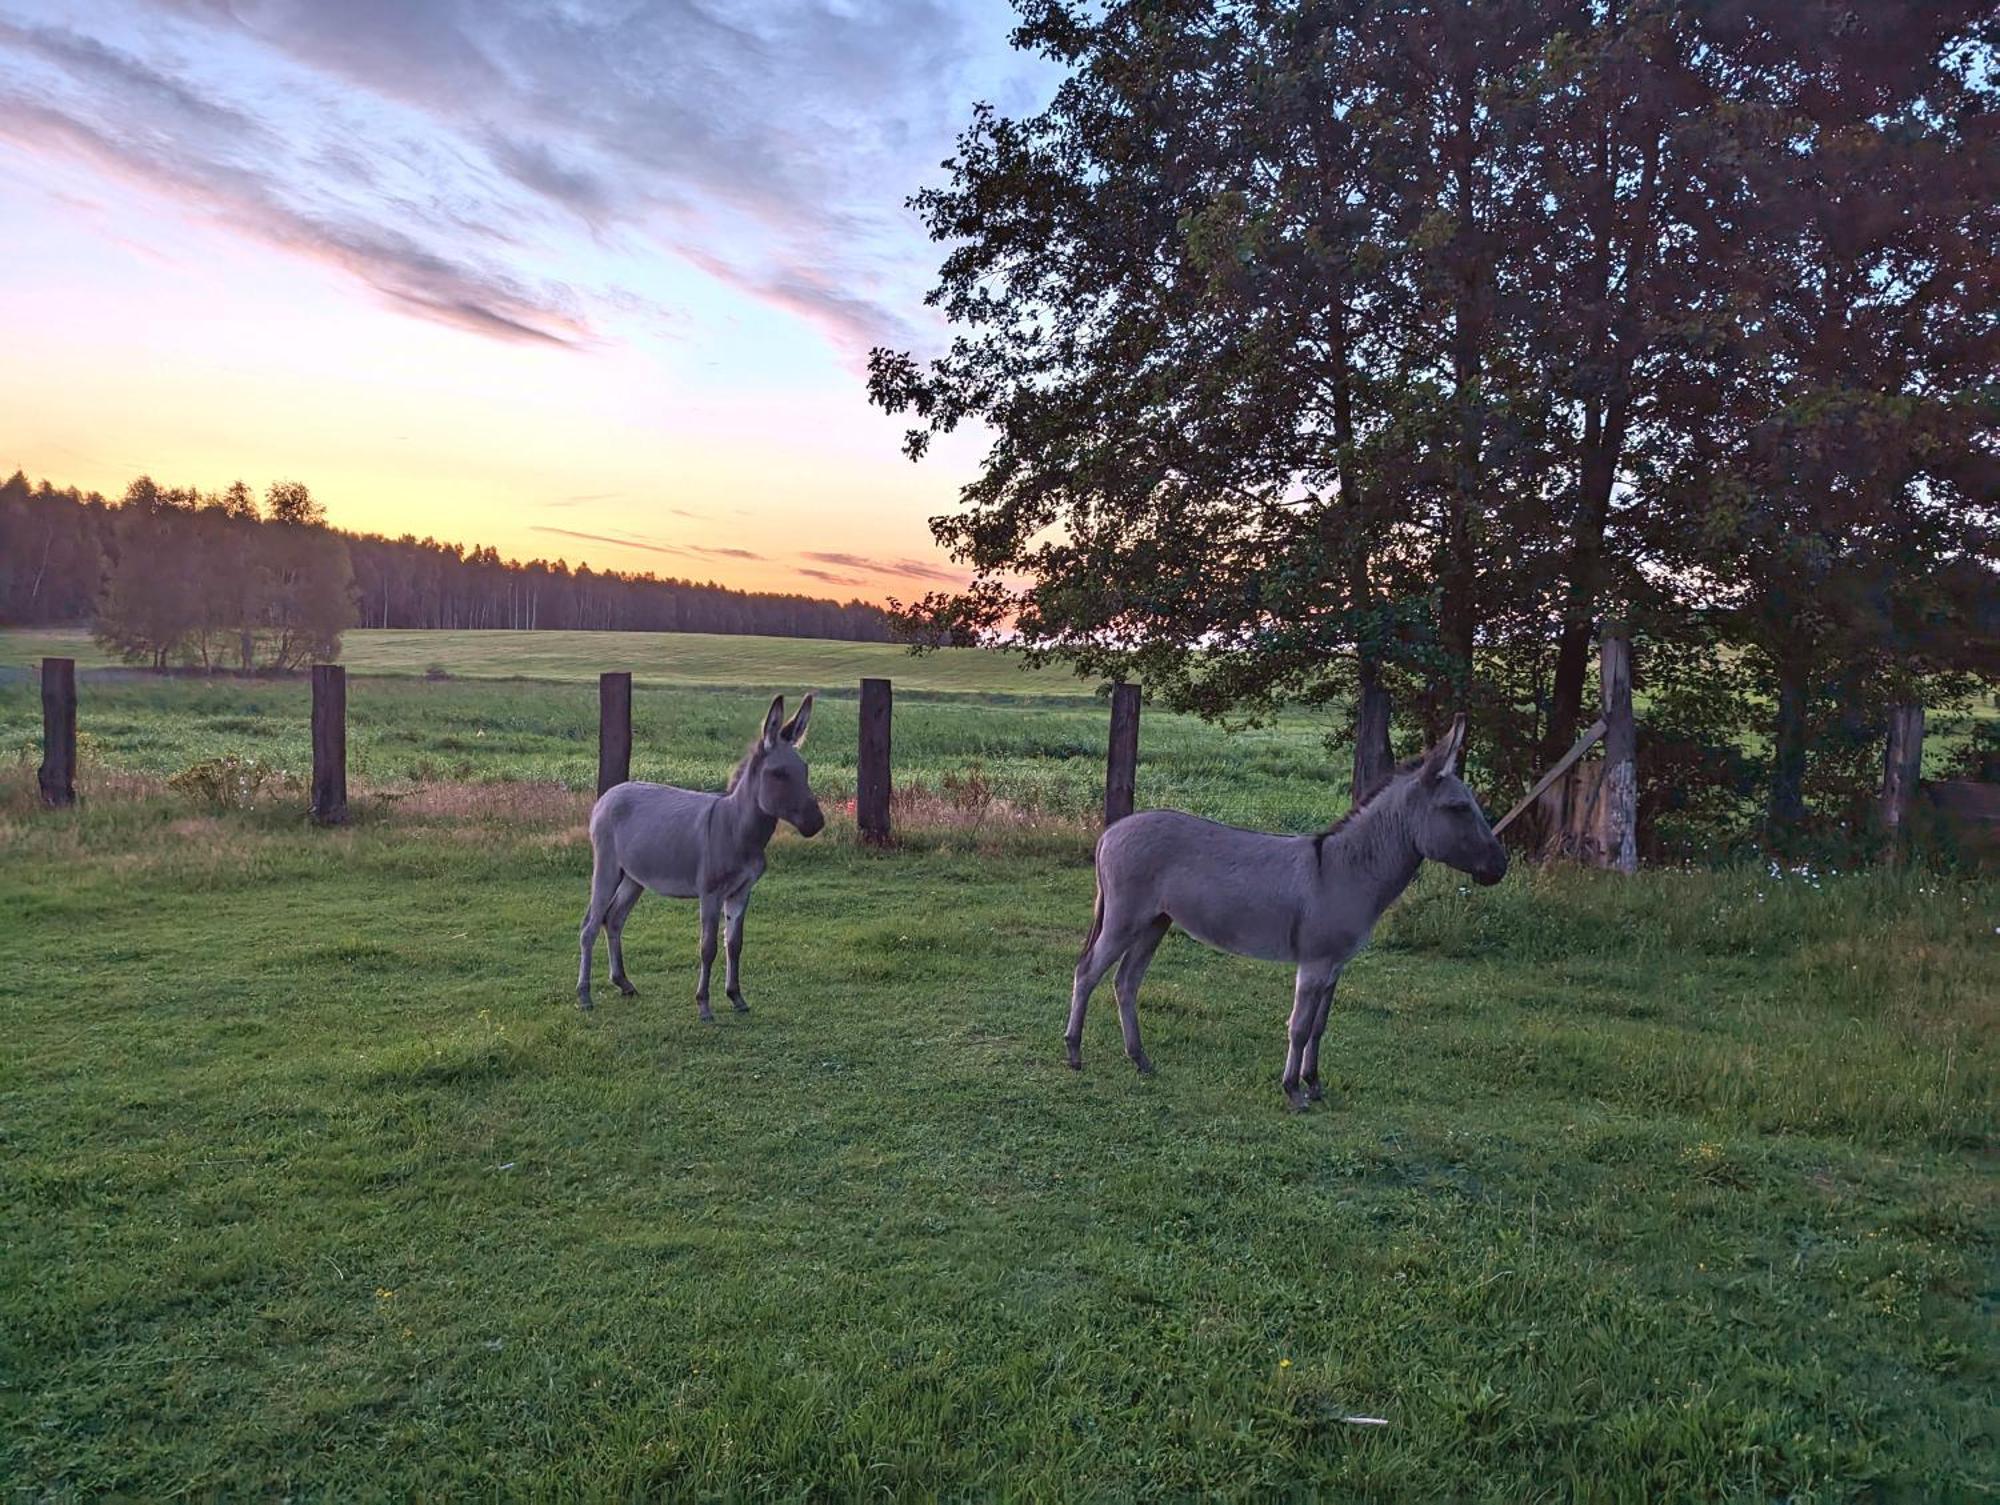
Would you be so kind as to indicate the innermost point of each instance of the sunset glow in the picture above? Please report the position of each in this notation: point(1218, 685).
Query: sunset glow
point(596, 286)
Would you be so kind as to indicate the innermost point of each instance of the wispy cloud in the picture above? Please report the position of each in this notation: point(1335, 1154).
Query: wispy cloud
point(450, 153)
point(650, 545)
point(93, 103)
point(915, 569)
point(579, 499)
point(620, 543)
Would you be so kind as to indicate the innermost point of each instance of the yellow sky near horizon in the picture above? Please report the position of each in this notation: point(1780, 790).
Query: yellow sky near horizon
point(228, 256)
point(401, 425)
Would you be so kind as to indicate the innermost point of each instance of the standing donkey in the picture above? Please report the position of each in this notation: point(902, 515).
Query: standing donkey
point(687, 845)
point(1308, 900)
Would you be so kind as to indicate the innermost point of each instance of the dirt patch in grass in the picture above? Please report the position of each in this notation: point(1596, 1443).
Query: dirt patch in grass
point(514, 802)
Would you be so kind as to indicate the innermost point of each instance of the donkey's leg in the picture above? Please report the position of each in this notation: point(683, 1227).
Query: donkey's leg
point(732, 982)
point(1099, 953)
point(1308, 989)
point(614, 931)
point(604, 876)
point(1310, 1072)
point(1131, 972)
point(711, 911)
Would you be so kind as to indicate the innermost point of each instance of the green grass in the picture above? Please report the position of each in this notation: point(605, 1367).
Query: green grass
point(318, 1186)
point(793, 665)
point(315, 1183)
point(1040, 753)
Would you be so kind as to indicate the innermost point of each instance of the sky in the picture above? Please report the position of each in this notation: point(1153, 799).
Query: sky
point(579, 279)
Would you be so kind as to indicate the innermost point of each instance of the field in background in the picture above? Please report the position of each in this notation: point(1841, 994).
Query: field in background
point(1679, 1186)
point(1038, 753)
point(793, 665)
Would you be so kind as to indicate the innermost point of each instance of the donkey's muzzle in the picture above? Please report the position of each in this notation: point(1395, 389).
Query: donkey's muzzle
point(812, 823)
point(1486, 877)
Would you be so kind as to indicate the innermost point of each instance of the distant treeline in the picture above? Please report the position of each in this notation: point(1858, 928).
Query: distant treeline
point(172, 575)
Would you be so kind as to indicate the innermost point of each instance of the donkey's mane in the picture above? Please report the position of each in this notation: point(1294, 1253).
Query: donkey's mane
point(752, 756)
point(1367, 801)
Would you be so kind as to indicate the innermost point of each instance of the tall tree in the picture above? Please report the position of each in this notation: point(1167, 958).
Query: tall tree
point(1241, 308)
point(1836, 491)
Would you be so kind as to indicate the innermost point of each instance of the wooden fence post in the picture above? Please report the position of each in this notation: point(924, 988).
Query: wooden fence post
point(871, 784)
point(1902, 767)
point(1373, 762)
point(1620, 791)
point(1121, 763)
point(614, 729)
point(329, 732)
point(58, 771)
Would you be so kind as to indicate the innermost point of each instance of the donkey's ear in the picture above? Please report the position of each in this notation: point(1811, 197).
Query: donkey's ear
point(794, 731)
point(1443, 758)
point(774, 719)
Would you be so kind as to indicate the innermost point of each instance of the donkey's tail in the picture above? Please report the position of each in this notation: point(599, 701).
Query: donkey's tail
point(606, 873)
point(1096, 923)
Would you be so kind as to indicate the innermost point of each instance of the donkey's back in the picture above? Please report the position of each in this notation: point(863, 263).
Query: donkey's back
point(653, 834)
point(1242, 891)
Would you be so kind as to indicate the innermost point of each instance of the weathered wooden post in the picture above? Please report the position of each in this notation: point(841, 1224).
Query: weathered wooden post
point(1121, 763)
point(1373, 762)
point(1620, 788)
point(329, 732)
point(58, 771)
point(614, 729)
point(871, 783)
point(1902, 767)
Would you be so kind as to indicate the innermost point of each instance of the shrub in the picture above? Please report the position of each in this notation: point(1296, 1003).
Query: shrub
point(231, 782)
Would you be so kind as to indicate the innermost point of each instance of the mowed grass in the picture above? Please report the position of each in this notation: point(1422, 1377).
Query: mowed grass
point(682, 658)
point(316, 1184)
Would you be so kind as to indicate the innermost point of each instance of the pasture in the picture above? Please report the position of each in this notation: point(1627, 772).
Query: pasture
point(318, 1185)
point(1035, 750)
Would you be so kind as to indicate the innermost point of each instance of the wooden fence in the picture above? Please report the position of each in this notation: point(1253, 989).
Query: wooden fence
point(1589, 810)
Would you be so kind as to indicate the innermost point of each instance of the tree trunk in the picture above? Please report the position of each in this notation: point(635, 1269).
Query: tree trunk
point(1457, 573)
point(1788, 755)
point(1373, 761)
point(1602, 437)
point(1902, 770)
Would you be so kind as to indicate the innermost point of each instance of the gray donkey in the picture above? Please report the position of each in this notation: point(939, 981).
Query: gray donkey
point(1308, 900)
point(687, 845)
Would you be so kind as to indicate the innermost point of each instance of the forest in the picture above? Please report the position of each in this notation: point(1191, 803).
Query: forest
point(177, 577)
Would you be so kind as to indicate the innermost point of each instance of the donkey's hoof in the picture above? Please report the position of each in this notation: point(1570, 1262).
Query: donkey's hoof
point(739, 1005)
point(583, 1002)
point(707, 1014)
point(1143, 1065)
point(1314, 1092)
point(1297, 1099)
point(626, 988)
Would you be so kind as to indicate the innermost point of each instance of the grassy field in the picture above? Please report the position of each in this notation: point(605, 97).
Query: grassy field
point(316, 1184)
point(1034, 753)
point(679, 658)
